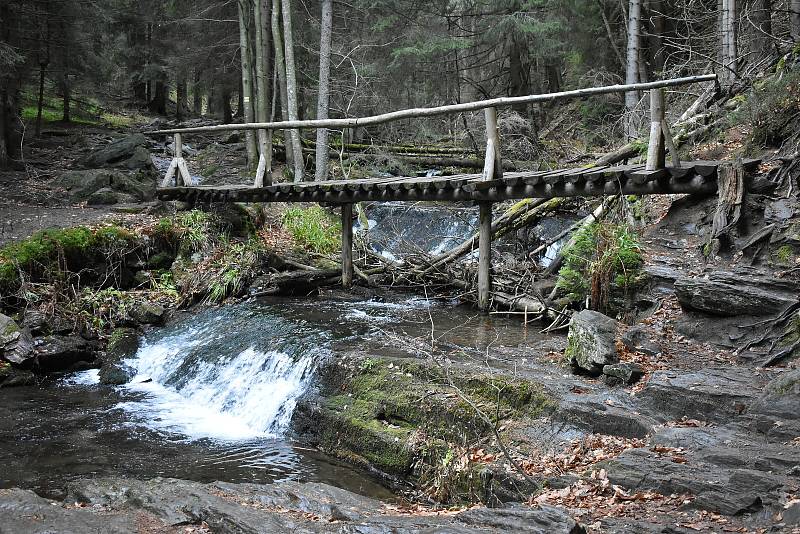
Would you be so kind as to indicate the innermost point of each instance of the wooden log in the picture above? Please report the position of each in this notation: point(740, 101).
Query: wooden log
point(673, 152)
point(484, 256)
point(264, 171)
point(442, 110)
point(655, 150)
point(347, 245)
point(493, 135)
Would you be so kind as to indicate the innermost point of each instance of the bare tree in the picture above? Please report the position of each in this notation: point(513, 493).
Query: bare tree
point(261, 10)
point(247, 82)
point(291, 88)
point(632, 66)
point(324, 93)
point(280, 69)
point(794, 19)
point(728, 32)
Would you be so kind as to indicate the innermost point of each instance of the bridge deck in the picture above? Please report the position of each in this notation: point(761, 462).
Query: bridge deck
point(690, 177)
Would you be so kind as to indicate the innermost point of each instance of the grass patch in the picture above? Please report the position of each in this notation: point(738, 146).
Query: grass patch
point(314, 229)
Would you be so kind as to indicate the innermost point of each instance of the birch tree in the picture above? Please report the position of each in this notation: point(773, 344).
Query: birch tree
point(324, 93)
point(291, 87)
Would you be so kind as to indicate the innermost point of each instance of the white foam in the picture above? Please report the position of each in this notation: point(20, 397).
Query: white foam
point(82, 378)
point(245, 395)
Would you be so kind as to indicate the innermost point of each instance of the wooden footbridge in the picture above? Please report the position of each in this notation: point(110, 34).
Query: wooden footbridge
point(654, 177)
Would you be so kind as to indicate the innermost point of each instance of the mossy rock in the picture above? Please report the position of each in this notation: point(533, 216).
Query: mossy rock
point(376, 412)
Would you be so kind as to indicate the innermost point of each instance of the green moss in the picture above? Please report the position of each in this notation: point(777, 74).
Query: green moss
point(383, 406)
point(39, 252)
point(784, 255)
point(314, 229)
point(602, 264)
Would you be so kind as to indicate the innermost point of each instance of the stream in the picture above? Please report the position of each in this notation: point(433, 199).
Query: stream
point(214, 391)
point(214, 394)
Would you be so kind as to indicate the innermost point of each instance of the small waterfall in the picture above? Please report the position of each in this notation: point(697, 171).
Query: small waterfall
point(230, 374)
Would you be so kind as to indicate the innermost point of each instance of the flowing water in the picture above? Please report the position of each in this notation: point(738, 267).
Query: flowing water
point(214, 392)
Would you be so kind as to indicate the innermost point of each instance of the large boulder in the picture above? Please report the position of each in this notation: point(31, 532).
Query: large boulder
point(129, 152)
point(60, 353)
point(82, 185)
point(591, 343)
point(16, 344)
point(730, 294)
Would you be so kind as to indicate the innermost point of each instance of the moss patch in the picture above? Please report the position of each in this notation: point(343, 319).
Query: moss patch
point(402, 417)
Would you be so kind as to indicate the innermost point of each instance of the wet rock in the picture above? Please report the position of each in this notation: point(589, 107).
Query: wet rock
point(297, 507)
point(726, 491)
point(24, 512)
point(41, 323)
point(147, 313)
point(622, 373)
point(59, 353)
point(129, 152)
point(729, 294)
point(16, 344)
point(591, 342)
point(713, 394)
point(10, 376)
point(637, 339)
point(123, 344)
point(81, 185)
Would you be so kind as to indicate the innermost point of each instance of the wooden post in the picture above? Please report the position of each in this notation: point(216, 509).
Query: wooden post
point(177, 168)
point(655, 151)
point(347, 245)
point(264, 171)
point(493, 143)
point(673, 152)
point(484, 256)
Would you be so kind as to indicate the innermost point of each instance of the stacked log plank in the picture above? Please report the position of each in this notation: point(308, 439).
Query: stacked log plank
point(689, 177)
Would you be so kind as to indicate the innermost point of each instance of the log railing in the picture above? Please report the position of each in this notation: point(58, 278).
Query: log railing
point(660, 138)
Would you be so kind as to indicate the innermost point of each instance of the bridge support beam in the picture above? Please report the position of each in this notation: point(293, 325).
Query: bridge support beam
point(347, 245)
point(484, 256)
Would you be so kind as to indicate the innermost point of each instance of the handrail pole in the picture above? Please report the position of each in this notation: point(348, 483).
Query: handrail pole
point(443, 110)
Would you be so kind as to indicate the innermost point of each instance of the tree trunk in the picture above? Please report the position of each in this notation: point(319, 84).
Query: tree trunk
point(158, 104)
point(759, 25)
point(247, 82)
point(656, 37)
point(728, 32)
point(180, 107)
point(225, 100)
point(261, 12)
point(66, 91)
point(291, 87)
point(197, 95)
point(323, 98)
point(794, 19)
point(40, 102)
point(632, 68)
point(280, 68)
